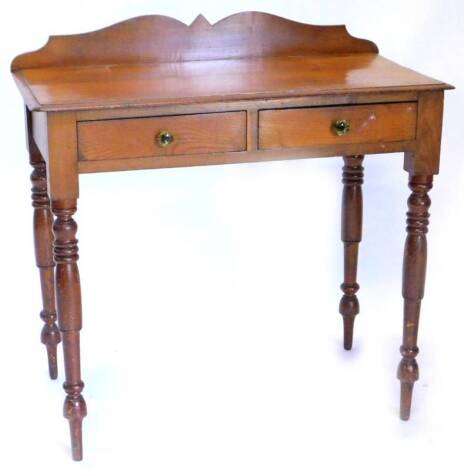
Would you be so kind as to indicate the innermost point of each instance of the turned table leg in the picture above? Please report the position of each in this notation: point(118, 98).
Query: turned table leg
point(69, 316)
point(414, 267)
point(43, 241)
point(351, 236)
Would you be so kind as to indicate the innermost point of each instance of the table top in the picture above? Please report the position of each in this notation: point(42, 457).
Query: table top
point(122, 85)
point(156, 60)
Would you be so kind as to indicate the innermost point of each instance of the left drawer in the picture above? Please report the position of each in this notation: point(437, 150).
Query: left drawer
point(162, 136)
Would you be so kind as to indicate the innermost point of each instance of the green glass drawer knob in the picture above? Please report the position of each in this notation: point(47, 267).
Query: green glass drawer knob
point(342, 127)
point(164, 138)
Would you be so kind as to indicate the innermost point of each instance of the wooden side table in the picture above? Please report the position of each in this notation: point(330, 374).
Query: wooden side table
point(152, 92)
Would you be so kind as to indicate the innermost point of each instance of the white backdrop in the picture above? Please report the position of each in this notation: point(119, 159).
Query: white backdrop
point(212, 338)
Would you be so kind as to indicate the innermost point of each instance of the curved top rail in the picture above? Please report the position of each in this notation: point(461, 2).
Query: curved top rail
point(159, 38)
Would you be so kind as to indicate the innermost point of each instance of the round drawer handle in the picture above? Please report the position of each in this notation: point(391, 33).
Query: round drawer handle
point(164, 138)
point(342, 127)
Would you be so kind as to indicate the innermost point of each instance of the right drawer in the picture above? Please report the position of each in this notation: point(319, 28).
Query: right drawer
point(307, 127)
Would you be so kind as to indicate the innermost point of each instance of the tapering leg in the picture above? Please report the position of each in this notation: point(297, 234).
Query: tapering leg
point(352, 212)
point(414, 267)
point(69, 316)
point(43, 238)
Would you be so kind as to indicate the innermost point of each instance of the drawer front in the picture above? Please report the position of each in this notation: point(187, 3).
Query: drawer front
point(306, 127)
point(139, 137)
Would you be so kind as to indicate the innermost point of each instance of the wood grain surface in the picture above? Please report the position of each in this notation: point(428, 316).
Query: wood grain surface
point(131, 138)
point(251, 87)
point(123, 85)
point(156, 38)
point(304, 127)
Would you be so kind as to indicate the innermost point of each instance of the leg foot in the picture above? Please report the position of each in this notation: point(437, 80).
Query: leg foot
point(52, 360)
point(406, 399)
point(348, 327)
point(74, 411)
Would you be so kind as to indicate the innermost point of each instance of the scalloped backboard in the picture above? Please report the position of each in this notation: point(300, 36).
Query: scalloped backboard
point(158, 38)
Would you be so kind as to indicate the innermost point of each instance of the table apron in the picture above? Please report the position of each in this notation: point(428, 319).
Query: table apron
point(244, 157)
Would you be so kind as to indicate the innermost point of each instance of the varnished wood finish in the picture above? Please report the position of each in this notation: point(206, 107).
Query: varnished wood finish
point(252, 87)
point(352, 213)
point(159, 38)
point(415, 260)
point(43, 242)
point(63, 178)
point(398, 96)
point(118, 86)
point(240, 157)
point(157, 60)
point(288, 128)
point(421, 165)
point(425, 160)
point(69, 316)
point(131, 138)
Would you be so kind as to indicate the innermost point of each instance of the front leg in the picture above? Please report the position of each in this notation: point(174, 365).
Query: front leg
point(352, 212)
point(69, 316)
point(414, 267)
